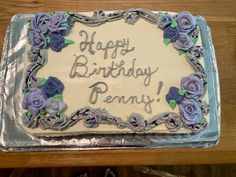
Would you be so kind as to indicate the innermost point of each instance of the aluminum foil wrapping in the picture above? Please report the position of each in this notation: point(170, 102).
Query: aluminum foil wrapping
point(14, 138)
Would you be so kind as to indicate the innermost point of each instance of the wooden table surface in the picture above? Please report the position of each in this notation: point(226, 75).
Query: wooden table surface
point(221, 18)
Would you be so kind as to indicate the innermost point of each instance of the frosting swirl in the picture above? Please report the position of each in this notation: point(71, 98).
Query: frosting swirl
point(186, 22)
point(40, 23)
point(57, 41)
point(190, 112)
point(37, 40)
point(184, 42)
point(165, 20)
point(60, 22)
point(171, 33)
point(173, 94)
point(193, 86)
point(52, 87)
point(34, 101)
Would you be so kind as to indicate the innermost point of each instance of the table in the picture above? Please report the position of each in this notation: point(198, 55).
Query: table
point(222, 20)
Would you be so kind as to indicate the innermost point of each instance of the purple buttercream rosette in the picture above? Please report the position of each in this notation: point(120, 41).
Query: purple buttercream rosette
point(171, 33)
point(186, 22)
point(165, 20)
point(190, 112)
point(57, 41)
point(34, 101)
point(37, 40)
point(54, 106)
point(193, 86)
point(184, 42)
point(49, 29)
point(60, 22)
point(173, 94)
point(40, 23)
point(52, 87)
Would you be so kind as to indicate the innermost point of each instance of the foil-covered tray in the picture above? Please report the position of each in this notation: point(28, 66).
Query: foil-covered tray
point(14, 138)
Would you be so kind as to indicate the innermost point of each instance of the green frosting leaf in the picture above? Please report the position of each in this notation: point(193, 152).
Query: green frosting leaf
point(172, 104)
point(201, 121)
point(68, 41)
point(64, 25)
point(161, 14)
point(48, 39)
point(42, 112)
point(58, 97)
point(29, 114)
point(26, 90)
point(194, 40)
point(58, 114)
point(42, 81)
point(173, 24)
point(181, 52)
point(182, 92)
point(166, 41)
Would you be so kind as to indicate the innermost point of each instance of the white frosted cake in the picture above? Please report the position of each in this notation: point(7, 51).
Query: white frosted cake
point(133, 71)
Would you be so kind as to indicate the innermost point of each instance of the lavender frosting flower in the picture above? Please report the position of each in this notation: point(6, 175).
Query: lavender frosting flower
point(173, 94)
point(165, 20)
point(52, 87)
point(171, 33)
point(186, 22)
point(190, 112)
point(184, 42)
point(57, 41)
point(37, 40)
point(193, 86)
point(60, 22)
point(53, 106)
point(34, 101)
point(40, 23)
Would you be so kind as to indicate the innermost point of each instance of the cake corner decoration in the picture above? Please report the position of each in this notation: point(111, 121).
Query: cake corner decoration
point(49, 29)
point(43, 97)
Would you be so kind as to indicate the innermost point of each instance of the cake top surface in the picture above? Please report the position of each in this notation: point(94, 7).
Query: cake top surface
point(125, 71)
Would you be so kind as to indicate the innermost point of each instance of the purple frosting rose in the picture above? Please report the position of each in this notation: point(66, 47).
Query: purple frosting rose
point(57, 41)
point(193, 86)
point(184, 42)
point(37, 40)
point(190, 112)
point(171, 33)
point(54, 106)
point(40, 23)
point(173, 94)
point(34, 101)
point(186, 22)
point(60, 22)
point(165, 20)
point(52, 87)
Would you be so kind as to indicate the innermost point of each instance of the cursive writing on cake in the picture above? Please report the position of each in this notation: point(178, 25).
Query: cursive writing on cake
point(82, 68)
point(119, 66)
point(101, 87)
point(115, 47)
